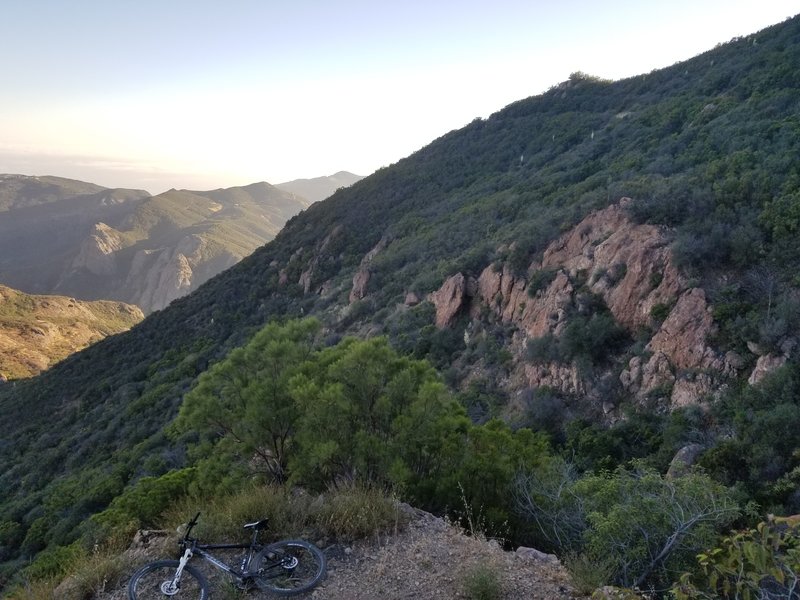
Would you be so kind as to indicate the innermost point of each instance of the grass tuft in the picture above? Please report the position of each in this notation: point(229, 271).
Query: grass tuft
point(482, 583)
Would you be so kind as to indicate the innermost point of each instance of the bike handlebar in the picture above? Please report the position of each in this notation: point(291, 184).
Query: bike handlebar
point(190, 525)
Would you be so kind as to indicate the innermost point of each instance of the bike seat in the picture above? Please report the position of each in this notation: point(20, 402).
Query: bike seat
point(258, 525)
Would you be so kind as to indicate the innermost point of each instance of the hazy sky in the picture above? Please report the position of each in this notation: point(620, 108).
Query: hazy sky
point(202, 94)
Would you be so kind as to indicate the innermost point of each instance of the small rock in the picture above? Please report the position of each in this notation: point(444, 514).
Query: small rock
point(610, 592)
point(534, 554)
point(734, 360)
point(788, 345)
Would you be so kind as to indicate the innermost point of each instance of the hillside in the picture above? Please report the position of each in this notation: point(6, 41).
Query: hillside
point(319, 188)
point(66, 237)
point(38, 331)
point(504, 254)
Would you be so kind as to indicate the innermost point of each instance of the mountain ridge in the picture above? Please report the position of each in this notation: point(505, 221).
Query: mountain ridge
point(319, 188)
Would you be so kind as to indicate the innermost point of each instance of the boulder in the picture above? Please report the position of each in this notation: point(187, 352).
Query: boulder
point(449, 300)
point(683, 460)
point(764, 366)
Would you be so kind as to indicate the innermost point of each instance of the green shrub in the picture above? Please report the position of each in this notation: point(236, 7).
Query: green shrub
point(660, 311)
point(589, 572)
point(756, 563)
point(645, 526)
point(482, 583)
point(540, 280)
point(355, 512)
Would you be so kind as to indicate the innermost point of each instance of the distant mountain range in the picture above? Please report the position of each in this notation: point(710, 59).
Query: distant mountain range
point(319, 188)
point(60, 236)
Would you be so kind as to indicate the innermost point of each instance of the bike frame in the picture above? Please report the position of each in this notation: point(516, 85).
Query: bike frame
point(241, 573)
point(202, 550)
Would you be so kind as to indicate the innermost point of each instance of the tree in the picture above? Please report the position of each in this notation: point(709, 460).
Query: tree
point(244, 400)
point(546, 496)
point(369, 414)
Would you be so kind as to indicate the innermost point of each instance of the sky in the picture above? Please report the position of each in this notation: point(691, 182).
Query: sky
point(198, 94)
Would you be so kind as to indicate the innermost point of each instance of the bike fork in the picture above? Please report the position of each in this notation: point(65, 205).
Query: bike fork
point(175, 584)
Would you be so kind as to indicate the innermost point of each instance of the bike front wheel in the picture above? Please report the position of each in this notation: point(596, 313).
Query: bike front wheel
point(157, 581)
point(288, 567)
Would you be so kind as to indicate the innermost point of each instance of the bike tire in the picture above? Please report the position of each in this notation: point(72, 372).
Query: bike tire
point(288, 567)
point(147, 582)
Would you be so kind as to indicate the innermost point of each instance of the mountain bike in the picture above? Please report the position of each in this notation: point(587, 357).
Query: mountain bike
point(284, 568)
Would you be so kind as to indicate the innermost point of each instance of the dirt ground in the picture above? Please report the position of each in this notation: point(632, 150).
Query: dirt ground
point(429, 559)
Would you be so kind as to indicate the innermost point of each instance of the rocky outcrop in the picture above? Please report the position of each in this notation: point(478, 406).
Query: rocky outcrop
point(563, 378)
point(681, 357)
point(361, 278)
point(682, 336)
point(630, 267)
point(508, 297)
point(764, 366)
point(411, 299)
point(628, 264)
point(450, 300)
point(97, 252)
point(683, 460)
point(307, 277)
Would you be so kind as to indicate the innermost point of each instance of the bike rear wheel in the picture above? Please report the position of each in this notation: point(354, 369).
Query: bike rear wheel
point(288, 567)
point(155, 581)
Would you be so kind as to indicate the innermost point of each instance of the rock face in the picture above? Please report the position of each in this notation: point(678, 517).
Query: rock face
point(157, 277)
point(509, 298)
point(629, 267)
point(96, 253)
point(308, 278)
point(683, 460)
